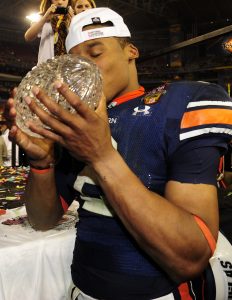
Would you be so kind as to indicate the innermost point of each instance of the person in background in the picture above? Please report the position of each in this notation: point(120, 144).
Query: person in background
point(51, 28)
point(82, 5)
point(3, 150)
point(10, 161)
point(143, 166)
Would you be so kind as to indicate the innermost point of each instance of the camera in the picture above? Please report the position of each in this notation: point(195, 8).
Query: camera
point(60, 10)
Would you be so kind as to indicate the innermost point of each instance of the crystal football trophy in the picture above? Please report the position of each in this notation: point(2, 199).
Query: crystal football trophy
point(82, 76)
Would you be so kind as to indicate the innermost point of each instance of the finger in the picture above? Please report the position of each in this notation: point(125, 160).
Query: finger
point(48, 134)
point(19, 137)
point(46, 118)
point(14, 92)
point(54, 108)
point(30, 144)
point(10, 112)
point(53, 8)
point(81, 108)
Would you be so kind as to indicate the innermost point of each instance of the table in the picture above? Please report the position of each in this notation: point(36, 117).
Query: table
point(34, 265)
point(12, 186)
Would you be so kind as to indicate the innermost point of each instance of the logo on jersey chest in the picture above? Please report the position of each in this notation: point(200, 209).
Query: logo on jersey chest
point(154, 96)
point(142, 110)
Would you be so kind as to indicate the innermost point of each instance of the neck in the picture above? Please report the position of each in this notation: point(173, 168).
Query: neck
point(133, 81)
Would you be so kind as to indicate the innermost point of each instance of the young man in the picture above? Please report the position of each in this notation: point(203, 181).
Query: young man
point(148, 213)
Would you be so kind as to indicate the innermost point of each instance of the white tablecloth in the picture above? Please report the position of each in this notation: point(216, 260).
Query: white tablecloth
point(34, 265)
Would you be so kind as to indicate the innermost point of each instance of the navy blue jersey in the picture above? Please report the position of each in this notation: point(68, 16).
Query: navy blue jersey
point(180, 137)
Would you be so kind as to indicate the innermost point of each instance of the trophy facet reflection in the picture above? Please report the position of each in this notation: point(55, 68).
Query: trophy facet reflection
point(82, 76)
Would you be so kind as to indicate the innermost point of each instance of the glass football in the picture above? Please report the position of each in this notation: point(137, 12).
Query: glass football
point(82, 76)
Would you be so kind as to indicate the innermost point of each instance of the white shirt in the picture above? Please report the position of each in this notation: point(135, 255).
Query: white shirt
point(46, 47)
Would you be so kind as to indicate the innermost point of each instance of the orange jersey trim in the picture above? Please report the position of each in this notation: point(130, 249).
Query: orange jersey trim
point(207, 233)
point(184, 291)
point(128, 96)
point(206, 116)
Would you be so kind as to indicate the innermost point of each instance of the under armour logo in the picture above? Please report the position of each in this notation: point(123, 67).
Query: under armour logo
point(144, 111)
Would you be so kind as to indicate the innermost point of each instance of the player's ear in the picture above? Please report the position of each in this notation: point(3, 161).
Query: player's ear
point(133, 52)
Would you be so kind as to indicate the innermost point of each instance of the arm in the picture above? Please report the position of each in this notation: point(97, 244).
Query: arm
point(36, 27)
point(42, 202)
point(43, 205)
point(48, 192)
point(163, 226)
point(165, 229)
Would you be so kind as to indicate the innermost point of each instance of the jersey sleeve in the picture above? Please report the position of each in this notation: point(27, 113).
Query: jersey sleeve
point(208, 113)
point(195, 164)
point(200, 135)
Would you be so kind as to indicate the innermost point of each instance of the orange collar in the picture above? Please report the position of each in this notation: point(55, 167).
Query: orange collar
point(126, 97)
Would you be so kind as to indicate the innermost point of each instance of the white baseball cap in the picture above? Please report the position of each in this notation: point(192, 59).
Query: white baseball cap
point(94, 16)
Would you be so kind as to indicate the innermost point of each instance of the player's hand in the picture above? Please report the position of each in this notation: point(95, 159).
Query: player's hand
point(38, 149)
point(85, 133)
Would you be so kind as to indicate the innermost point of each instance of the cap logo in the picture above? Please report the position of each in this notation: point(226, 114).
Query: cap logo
point(96, 20)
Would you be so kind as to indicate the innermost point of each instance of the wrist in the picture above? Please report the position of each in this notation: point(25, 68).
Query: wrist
point(40, 167)
point(40, 171)
point(105, 161)
point(43, 164)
